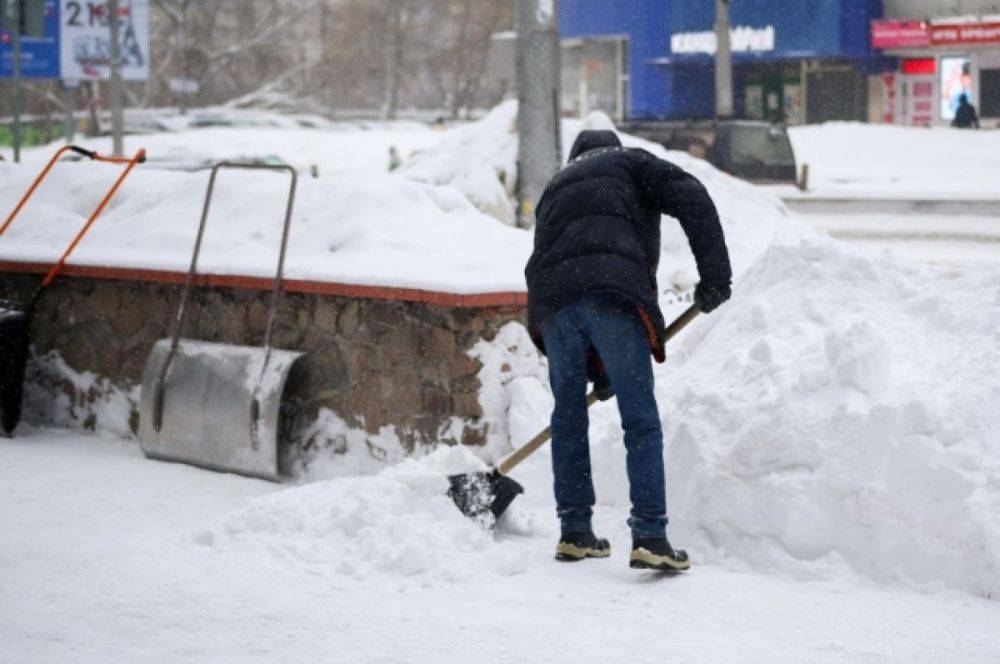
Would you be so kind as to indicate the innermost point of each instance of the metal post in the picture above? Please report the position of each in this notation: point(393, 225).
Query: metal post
point(723, 62)
point(117, 121)
point(69, 91)
point(14, 21)
point(539, 145)
point(184, 54)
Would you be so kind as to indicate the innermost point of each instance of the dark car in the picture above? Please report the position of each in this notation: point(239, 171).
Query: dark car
point(751, 150)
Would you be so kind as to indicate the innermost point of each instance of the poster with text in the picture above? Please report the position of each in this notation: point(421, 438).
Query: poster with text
point(85, 50)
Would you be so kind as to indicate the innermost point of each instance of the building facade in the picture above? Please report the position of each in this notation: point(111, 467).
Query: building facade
point(803, 61)
point(943, 49)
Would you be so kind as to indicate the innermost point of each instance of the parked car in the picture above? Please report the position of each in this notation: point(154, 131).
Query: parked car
point(751, 150)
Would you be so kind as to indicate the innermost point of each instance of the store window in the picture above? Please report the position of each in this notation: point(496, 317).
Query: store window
point(989, 93)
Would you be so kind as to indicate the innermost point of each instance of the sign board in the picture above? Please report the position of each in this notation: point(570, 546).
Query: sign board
point(900, 34)
point(742, 39)
point(970, 34)
point(75, 43)
point(85, 44)
point(39, 48)
point(920, 34)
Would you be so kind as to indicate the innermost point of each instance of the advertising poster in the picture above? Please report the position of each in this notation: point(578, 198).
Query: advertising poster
point(85, 49)
point(956, 80)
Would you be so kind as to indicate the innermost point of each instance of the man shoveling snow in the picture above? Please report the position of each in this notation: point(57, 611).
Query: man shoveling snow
point(593, 310)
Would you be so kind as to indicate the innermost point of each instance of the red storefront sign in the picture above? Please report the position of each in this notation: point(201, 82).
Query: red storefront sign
point(965, 34)
point(920, 34)
point(900, 34)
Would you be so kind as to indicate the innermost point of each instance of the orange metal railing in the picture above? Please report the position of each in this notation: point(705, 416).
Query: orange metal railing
point(129, 162)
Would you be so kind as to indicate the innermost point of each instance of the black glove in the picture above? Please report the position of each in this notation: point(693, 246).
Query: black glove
point(597, 375)
point(709, 295)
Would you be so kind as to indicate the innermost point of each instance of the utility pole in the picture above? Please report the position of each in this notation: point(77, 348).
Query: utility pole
point(184, 56)
point(69, 90)
point(14, 23)
point(394, 59)
point(723, 62)
point(539, 145)
point(117, 121)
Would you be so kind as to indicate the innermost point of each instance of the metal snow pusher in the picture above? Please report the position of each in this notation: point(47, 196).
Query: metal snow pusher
point(217, 405)
point(15, 317)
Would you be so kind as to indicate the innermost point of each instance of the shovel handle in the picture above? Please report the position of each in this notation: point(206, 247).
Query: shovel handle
point(523, 452)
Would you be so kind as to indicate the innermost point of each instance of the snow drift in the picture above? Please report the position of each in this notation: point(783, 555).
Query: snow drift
point(843, 407)
point(380, 230)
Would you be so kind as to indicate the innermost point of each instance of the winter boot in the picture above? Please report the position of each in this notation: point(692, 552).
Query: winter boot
point(577, 546)
point(656, 553)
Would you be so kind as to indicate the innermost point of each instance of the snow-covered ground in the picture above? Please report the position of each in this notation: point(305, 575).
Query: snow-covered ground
point(954, 239)
point(833, 455)
point(109, 557)
point(434, 225)
point(350, 149)
point(885, 160)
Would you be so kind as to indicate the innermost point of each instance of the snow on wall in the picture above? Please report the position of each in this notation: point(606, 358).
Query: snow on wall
point(378, 230)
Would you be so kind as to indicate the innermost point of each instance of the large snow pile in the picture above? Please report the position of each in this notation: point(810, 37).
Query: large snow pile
point(839, 414)
point(856, 158)
point(843, 408)
point(481, 160)
point(380, 230)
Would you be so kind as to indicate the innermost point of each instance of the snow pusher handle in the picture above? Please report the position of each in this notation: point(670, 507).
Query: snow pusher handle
point(276, 290)
point(89, 154)
point(523, 452)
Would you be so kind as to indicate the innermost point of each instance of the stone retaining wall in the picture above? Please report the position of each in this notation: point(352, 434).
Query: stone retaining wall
point(374, 363)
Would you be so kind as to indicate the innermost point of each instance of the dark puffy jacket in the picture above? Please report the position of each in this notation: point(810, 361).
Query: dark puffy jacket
point(598, 230)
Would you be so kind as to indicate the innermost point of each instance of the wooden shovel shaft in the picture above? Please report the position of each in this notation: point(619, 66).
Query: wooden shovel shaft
point(523, 452)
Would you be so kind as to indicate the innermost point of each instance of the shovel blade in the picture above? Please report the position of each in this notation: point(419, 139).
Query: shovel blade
point(221, 406)
point(479, 494)
point(13, 357)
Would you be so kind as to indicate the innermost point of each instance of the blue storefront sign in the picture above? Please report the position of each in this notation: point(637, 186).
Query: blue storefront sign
point(39, 55)
point(671, 42)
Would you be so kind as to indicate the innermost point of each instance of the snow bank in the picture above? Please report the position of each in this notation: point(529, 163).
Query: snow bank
point(481, 161)
point(851, 157)
point(431, 228)
point(843, 407)
point(380, 230)
point(399, 522)
point(344, 148)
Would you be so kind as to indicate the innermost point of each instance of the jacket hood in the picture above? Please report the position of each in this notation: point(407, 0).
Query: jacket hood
point(592, 139)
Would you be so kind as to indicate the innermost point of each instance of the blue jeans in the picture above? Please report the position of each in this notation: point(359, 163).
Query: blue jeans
point(614, 329)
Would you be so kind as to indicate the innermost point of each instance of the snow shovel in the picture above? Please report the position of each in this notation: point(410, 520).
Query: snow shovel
point(217, 405)
point(15, 317)
point(491, 492)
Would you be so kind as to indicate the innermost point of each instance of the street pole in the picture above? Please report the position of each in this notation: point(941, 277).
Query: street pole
point(69, 91)
point(14, 21)
point(117, 121)
point(723, 62)
point(184, 55)
point(539, 145)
